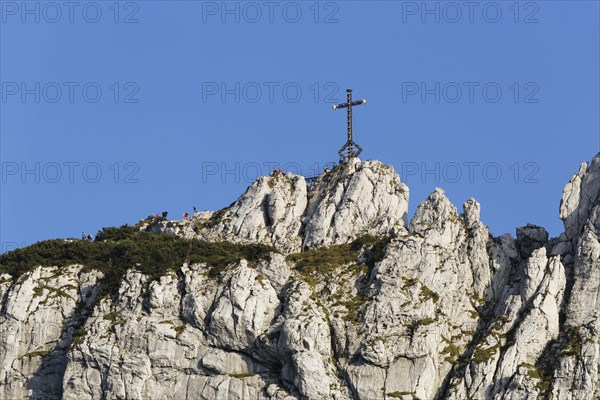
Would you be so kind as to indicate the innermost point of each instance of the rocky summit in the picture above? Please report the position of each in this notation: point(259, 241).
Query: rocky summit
point(322, 291)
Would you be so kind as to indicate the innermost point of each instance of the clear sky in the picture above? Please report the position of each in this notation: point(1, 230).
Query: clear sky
point(113, 110)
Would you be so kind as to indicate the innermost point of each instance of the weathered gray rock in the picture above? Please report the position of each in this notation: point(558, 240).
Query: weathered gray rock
point(243, 310)
point(352, 199)
point(37, 312)
point(439, 309)
point(580, 196)
point(269, 212)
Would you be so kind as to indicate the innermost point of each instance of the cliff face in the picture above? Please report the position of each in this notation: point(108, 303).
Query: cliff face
point(356, 303)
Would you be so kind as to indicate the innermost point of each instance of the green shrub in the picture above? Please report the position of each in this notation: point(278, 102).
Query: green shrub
point(111, 316)
point(323, 259)
point(572, 340)
point(451, 351)
point(413, 326)
point(114, 233)
point(79, 334)
point(482, 355)
point(427, 293)
point(355, 307)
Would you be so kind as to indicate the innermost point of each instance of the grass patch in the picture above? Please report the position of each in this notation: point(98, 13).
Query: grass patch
point(409, 282)
point(243, 375)
point(111, 316)
point(399, 395)
point(41, 353)
point(327, 259)
point(178, 330)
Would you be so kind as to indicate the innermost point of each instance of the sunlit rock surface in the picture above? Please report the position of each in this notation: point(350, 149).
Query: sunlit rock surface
point(431, 308)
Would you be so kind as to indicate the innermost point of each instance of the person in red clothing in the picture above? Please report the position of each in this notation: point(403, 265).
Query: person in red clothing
point(280, 171)
point(185, 215)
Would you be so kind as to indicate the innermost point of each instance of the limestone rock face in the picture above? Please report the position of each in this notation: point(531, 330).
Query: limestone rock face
point(580, 196)
point(243, 310)
point(37, 315)
point(355, 198)
point(352, 303)
point(269, 212)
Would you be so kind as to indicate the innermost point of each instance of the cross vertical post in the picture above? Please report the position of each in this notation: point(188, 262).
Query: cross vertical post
point(350, 149)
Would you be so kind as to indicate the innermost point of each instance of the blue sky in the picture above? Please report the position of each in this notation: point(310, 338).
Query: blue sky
point(113, 110)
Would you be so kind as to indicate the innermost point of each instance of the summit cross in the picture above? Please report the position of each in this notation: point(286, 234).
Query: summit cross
point(350, 149)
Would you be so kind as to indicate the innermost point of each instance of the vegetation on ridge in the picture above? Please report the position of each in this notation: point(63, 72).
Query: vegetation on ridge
point(115, 250)
point(326, 259)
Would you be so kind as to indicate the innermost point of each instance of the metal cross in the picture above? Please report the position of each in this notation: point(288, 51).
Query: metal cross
point(350, 149)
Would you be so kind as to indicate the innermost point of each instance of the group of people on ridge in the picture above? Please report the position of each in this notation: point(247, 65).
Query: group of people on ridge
point(164, 215)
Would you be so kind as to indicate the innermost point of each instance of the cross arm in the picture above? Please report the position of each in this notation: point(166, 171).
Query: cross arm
point(345, 105)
